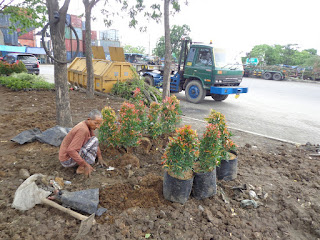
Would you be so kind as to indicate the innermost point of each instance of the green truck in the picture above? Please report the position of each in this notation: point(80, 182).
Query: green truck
point(203, 70)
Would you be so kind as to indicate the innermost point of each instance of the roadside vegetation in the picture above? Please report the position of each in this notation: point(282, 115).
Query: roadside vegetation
point(129, 89)
point(25, 81)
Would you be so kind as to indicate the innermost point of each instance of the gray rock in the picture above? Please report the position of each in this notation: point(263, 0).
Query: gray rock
point(249, 203)
point(208, 214)
point(24, 173)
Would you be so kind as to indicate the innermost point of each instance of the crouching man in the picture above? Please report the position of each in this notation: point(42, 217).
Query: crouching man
point(80, 147)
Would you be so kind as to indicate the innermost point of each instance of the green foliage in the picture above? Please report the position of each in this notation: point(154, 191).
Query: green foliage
point(227, 145)
point(134, 119)
point(176, 33)
point(142, 115)
point(210, 148)
point(126, 90)
point(281, 54)
point(170, 114)
point(131, 49)
point(155, 127)
point(14, 83)
point(7, 68)
point(107, 133)
point(182, 151)
point(26, 14)
point(130, 126)
point(20, 81)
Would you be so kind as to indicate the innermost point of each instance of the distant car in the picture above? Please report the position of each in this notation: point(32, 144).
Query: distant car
point(29, 60)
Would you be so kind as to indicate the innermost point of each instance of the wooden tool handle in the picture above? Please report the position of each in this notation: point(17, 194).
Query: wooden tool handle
point(63, 209)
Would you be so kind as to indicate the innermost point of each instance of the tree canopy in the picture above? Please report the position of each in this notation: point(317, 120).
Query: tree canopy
point(25, 15)
point(282, 54)
point(176, 33)
point(132, 49)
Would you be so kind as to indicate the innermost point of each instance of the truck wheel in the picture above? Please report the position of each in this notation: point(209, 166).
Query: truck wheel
point(194, 92)
point(277, 76)
point(219, 97)
point(267, 75)
point(149, 80)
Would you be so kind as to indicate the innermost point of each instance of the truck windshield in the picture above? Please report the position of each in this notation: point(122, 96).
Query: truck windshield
point(227, 59)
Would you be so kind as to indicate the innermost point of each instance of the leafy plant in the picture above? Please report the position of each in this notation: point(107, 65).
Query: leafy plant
point(130, 128)
point(227, 144)
point(170, 116)
point(127, 91)
point(20, 81)
point(210, 149)
point(107, 132)
point(182, 151)
point(155, 126)
point(7, 68)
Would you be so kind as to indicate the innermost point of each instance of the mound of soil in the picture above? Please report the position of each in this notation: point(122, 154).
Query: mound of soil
point(285, 177)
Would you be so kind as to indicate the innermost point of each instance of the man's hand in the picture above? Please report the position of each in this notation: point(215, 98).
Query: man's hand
point(85, 169)
point(88, 169)
point(102, 162)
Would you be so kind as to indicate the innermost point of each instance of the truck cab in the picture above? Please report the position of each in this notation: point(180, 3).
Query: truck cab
point(209, 71)
point(204, 70)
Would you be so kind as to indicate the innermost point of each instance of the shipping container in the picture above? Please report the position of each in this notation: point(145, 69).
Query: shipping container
point(4, 20)
point(28, 35)
point(76, 22)
point(73, 46)
point(70, 54)
point(27, 42)
point(68, 19)
point(111, 35)
point(9, 39)
point(106, 44)
point(93, 35)
point(67, 33)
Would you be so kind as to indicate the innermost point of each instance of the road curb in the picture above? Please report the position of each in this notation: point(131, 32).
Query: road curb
point(249, 132)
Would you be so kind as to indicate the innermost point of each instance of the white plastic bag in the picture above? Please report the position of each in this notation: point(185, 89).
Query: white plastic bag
point(29, 194)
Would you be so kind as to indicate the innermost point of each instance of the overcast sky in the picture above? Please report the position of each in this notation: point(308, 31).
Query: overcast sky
point(236, 24)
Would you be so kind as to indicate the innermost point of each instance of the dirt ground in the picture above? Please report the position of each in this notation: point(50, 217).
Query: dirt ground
point(286, 176)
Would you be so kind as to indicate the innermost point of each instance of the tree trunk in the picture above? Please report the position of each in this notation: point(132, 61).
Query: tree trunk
point(63, 112)
point(90, 82)
point(167, 56)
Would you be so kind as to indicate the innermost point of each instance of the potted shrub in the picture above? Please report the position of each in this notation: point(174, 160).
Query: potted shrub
point(179, 158)
point(204, 183)
point(227, 169)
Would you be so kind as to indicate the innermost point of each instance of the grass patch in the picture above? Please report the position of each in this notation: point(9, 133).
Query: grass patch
point(23, 81)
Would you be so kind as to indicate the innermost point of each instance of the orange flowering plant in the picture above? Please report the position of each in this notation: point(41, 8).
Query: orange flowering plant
point(108, 130)
point(210, 149)
point(182, 151)
point(227, 145)
point(155, 128)
point(141, 109)
point(171, 114)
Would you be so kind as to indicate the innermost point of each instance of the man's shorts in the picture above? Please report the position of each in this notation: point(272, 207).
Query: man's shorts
point(88, 152)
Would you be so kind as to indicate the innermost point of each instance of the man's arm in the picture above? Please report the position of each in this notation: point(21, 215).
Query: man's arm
point(75, 146)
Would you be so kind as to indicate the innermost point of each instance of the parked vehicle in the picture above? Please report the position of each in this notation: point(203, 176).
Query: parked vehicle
point(266, 72)
point(29, 60)
point(203, 70)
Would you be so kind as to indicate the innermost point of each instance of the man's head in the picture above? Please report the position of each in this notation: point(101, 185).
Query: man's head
point(94, 119)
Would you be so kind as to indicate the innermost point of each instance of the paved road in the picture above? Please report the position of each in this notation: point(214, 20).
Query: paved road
point(280, 109)
point(46, 71)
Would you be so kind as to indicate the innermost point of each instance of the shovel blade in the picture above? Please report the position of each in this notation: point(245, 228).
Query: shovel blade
point(85, 226)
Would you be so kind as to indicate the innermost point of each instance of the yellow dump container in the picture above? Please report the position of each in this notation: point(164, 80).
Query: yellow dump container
point(106, 73)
